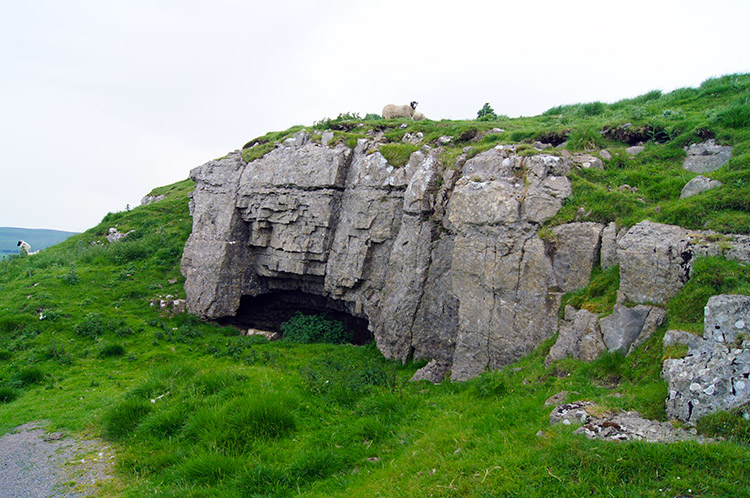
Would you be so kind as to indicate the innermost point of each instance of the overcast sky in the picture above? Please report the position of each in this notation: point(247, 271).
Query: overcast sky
point(101, 101)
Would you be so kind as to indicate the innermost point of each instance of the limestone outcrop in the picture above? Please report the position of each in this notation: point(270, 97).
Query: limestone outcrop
point(456, 274)
point(715, 374)
point(439, 262)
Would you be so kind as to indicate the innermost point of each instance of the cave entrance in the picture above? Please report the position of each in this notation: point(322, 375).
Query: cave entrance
point(269, 311)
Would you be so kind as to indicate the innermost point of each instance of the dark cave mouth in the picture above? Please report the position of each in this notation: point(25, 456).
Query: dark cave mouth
point(269, 311)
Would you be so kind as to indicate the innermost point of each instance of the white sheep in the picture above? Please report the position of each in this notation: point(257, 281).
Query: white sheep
point(418, 116)
point(25, 248)
point(399, 111)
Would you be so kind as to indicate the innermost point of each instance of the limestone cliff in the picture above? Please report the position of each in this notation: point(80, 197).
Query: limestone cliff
point(443, 263)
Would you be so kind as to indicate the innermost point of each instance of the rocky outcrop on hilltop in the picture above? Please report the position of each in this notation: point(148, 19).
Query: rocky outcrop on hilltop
point(440, 263)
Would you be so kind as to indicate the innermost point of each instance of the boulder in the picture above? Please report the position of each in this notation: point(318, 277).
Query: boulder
point(627, 328)
point(715, 374)
point(697, 185)
point(435, 372)
point(587, 161)
point(654, 262)
point(706, 157)
point(579, 337)
point(574, 253)
point(634, 150)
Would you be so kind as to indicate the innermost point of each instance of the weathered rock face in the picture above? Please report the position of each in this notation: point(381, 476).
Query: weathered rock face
point(706, 157)
point(697, 185)
point(715, 375)
point(456, 274)
point(580, 337)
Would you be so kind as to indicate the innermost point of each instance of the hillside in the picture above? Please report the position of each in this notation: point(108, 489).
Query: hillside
point(37, 238)
point(194, 409)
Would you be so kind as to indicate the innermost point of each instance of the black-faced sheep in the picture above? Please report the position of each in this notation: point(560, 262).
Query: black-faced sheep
point(25, 249)
point(399, 111)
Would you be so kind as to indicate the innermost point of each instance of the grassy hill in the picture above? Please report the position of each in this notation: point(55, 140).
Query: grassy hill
point(195, 410)
point(38, 238)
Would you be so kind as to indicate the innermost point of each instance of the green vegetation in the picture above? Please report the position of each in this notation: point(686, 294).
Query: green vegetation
point(193, 409)
point(307, 329)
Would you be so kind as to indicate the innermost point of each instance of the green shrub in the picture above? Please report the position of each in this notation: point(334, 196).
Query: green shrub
point(308, 329)
point(486, 113)
point(71, 278)
point(7, 394)
point(26, 377)
point(112, 350)
point(93, 326)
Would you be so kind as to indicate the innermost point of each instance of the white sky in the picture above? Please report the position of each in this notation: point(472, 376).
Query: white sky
point(100, 101)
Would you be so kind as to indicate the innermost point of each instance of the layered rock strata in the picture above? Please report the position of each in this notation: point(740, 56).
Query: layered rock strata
point(444, 263)
point(456, 274)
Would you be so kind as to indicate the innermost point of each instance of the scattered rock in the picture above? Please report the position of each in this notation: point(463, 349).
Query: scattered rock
point(608, 253)
point(634, 150)
point(605, 154)
point(579, 337)
point(631, 426)
point(672, 337)
point(627, 188)
point(706, 157)
point(435, 372)
point(326, 137)
point(174, 305)
point(444, 140)
point(697, 185)
point(270, 335)
point(587, 161)
point(115, 235)
point(149, 199)
point(715, 374)
point(570, 413)
point(414, 139)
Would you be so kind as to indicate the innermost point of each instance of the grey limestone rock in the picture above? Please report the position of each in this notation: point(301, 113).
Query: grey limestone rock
point(631, 426)
point(455, 274)
point(627, 328)
point(654, 262)
point(634, 150)
point(715, 374)
point(575, 252)
point(697, 185)
point(579, 337)
point(435, 372)
point(608, 255)
point(706, 157)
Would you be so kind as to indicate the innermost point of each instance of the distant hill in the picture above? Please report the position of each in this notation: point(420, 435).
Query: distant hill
point(37, 238)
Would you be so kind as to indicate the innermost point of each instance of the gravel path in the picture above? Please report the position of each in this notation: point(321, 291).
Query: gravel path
point(38, 464)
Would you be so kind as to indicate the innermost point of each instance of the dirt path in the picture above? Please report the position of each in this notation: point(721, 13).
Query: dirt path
point(38, 464)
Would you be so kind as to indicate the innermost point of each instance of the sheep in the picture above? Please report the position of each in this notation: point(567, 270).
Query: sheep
point(25, 248)
point(418, 116)
point(399, 111)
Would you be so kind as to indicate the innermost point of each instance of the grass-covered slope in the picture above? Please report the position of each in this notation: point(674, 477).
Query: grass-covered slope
point(193, 409)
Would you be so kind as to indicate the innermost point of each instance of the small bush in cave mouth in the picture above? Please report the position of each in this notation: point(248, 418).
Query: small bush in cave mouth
point(315, 328)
